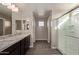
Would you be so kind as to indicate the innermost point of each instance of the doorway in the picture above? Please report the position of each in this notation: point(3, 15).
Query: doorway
point(41, 31)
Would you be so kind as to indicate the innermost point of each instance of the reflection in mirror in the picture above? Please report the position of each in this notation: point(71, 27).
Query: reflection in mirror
point(18, 25)
point(5, 20)
point(8, 26)
point(1, 27)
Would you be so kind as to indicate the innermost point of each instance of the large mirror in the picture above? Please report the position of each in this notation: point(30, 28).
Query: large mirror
point(5, 20)
point(1, 27)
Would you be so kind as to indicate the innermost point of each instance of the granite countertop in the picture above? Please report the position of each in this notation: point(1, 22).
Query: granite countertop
point(7, 42)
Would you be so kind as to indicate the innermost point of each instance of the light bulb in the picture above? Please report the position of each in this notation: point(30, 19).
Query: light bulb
point(11, 6)
point(15, 9)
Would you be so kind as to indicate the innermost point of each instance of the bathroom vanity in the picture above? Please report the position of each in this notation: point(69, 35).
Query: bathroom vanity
point(14, 37)
point(17, 45)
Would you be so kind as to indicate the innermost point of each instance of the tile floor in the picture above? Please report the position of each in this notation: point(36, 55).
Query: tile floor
point(42, 47)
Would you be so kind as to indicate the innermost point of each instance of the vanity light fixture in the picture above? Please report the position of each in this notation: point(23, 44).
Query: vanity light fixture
point(6, 4)
point(11, 6)
point(15, 9)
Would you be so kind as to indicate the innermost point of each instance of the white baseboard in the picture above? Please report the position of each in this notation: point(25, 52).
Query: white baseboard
point(31, 46)
point(54, 47)
point(41, 39)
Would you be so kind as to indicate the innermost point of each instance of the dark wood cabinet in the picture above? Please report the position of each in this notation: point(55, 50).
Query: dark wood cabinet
point(27, 42)
point(12, 50)
point(19, 48)
point(23, 46)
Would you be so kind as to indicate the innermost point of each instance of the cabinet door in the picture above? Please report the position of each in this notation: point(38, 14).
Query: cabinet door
point(27, 42)
point(13, 50)
point(23, 51)
point(16, 49)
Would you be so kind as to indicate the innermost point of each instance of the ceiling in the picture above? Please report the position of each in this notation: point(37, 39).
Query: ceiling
point(42, 15)
point(27, 9)
point(58, 9)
